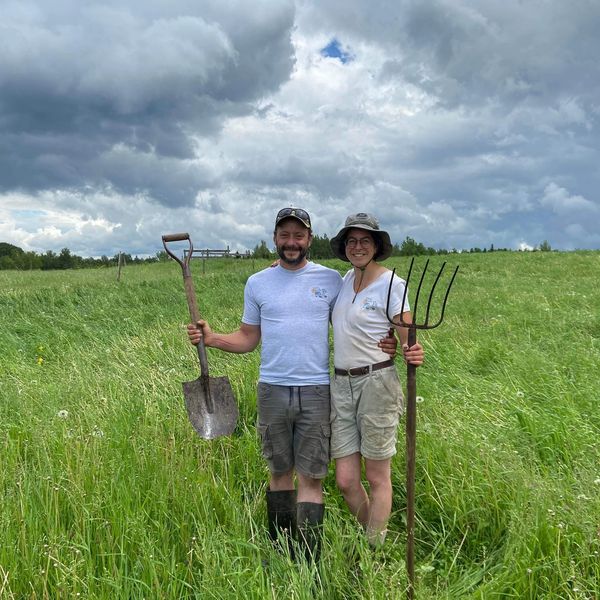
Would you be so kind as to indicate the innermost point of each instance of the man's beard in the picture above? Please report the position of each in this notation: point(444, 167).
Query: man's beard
point(292, 261)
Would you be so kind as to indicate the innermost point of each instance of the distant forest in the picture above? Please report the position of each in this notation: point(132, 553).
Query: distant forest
point(13, 257)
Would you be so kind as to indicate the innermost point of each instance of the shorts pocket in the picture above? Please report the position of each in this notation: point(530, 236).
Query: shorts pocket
point(322, 391)
point(378, 430)
point(265, 440)
point(325, 453)
point(264, 391)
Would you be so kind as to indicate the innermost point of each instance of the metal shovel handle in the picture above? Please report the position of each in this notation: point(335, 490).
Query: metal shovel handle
point(190, 295)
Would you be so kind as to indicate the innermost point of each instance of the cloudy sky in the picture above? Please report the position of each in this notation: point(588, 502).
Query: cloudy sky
point(458, 123)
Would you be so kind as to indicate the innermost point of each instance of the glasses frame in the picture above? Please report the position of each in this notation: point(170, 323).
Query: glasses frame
point(364, 242)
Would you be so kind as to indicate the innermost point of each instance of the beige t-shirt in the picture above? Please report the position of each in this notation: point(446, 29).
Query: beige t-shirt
point(358, 326)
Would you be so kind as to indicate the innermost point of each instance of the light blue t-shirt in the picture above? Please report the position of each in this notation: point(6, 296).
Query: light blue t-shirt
point(293, 310)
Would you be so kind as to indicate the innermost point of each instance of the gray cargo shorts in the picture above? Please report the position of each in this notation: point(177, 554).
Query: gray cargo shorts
point(365, 411)
point(293, 424)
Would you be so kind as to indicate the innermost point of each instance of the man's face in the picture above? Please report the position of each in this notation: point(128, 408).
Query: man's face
point(292, 241)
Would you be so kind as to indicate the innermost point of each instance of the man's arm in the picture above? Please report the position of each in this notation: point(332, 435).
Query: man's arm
point(245, 339)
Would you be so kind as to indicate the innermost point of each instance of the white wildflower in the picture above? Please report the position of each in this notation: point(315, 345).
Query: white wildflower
point(520, 394)
point(62, 414)
point(420, 399)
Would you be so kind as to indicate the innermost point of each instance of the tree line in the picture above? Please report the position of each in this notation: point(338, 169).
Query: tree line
point(13, 257)
point(321, 248)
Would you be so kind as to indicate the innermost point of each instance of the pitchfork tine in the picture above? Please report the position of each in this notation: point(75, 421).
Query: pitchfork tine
point(445, 298)
point(414, 314)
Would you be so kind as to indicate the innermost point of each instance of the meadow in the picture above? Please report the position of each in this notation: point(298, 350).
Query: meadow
point(106, 492)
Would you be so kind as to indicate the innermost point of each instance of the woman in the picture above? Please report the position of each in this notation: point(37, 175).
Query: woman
point(366, 395)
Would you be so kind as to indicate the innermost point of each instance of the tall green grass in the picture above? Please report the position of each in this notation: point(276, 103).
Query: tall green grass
point(106, 491)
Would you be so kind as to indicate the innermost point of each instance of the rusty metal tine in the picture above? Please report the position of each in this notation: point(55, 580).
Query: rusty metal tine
point(387, 304)
point(412, 262)
point(414, 312)
point(431, 293)
point(445, 299)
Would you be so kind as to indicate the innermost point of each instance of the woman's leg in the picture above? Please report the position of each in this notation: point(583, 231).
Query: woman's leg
point(348, 479)
point(378, 474)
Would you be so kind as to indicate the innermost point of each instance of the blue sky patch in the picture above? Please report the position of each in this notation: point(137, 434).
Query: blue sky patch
point(334, 50)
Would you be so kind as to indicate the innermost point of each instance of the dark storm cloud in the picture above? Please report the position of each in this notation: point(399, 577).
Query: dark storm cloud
point(84, 85)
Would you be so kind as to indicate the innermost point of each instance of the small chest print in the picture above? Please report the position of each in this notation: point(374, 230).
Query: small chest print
point(369, 304)
point(318, 292)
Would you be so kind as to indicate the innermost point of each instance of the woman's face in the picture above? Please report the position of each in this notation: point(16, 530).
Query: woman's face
point(360, 247)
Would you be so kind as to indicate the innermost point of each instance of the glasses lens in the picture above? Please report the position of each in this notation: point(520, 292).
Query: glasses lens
point(364, 242)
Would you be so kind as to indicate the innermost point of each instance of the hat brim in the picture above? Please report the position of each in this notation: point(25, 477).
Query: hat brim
point(339, 249)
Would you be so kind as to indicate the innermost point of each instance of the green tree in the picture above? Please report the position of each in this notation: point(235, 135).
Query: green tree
point(7, 249)
point(6, 263)
point(410, 247)
point(321, 247)
point(64, 260)
point(261, 251)
point(545, 246)
point(49, 260)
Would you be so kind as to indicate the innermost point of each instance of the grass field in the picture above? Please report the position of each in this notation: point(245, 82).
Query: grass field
point(107, 492)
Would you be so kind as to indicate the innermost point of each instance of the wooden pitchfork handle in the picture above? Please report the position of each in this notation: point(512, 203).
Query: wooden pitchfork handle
point(411, 408)
point(193, 307)
point(411, 442)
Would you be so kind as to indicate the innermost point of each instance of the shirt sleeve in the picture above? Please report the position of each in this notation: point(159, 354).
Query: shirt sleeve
point(251, 314)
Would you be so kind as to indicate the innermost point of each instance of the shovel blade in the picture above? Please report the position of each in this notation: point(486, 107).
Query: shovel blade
point(223, 419)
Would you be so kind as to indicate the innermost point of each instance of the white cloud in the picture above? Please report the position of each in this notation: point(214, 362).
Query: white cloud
point(562, 203)
point(459, 125)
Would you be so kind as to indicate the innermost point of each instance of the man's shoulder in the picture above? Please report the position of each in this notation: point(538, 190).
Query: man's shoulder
point(265, 273)
point(326, 271)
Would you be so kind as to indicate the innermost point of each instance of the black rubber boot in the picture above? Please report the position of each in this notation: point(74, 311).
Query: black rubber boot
point(281, 516)
point(310, 529)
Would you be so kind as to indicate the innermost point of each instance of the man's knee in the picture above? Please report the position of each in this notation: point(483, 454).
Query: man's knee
point(309, 489)
point(281, 481)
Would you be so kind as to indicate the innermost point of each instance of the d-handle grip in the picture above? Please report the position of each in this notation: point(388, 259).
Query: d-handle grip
point(178, 237)
point(175, 237)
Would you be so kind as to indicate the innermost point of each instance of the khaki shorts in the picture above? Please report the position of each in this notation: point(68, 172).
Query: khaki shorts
point(293, 424)
point(365, 411)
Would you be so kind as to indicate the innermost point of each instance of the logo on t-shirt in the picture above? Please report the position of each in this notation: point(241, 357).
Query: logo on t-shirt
point(319, 292)
point(369, 304)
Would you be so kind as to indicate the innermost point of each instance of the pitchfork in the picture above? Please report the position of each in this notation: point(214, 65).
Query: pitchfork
point(411, 408)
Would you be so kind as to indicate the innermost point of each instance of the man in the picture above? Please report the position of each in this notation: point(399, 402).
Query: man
point(288, 307)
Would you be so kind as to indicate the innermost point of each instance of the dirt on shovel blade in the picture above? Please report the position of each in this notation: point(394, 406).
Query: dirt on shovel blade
point(223, 419)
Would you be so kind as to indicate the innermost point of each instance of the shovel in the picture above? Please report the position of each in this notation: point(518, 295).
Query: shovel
point(209, 401)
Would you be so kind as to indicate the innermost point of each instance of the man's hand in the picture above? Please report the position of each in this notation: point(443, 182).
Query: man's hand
point(414, 355)
point(196, 332)
point(389, 344)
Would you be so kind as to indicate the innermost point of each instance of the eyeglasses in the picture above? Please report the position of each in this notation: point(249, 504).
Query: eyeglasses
point(365, 242)
point(298, 213)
